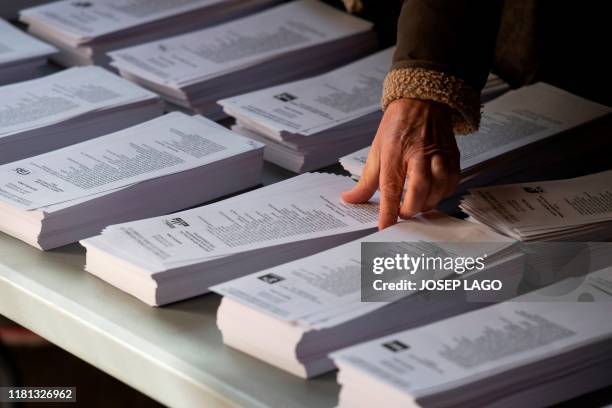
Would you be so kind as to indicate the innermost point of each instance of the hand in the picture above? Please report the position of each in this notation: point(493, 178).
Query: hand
point(415, 140)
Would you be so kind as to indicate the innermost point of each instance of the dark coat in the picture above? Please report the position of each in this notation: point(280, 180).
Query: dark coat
point(562, 42)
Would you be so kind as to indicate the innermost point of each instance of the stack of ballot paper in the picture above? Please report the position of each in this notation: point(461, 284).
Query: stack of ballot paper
point(20, 54)
point(85, 31)
point(494, 87)
point(511, 125)
point(572, 209)
point(288, 42)
point(535, 351)
point(71, 106)
point(166, 259)
point(311, 123)
point(167, 164)
point(292, 316)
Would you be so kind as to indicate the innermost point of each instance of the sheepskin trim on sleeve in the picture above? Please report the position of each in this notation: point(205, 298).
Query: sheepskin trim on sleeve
point(421, 83)
point(353, 6)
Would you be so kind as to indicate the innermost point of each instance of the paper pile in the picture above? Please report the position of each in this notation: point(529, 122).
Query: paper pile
point(494, 87)
point(511, 126)
point(160, 166)
point(292, 316)
point(288, 42)
point(309, 124)
point(71, 106)
point(166, 259)
point(573, 209)
point(85, 31)
point(533, 351)
point(20, 54)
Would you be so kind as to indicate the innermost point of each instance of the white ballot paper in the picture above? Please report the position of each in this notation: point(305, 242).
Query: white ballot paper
point(291, 41)
point(244, 225)
point(20, 54)
point(123, 173)
point(165, 259)
point(17, 46)
point(531, 351)
point(546, 210)
point(303, 295)
point(82, 21)
point(511, 122)
point(525, 116)
point(312, 105)
point(241, 43)
point(68, 107)
point(310, 307)
point(85, 31)
point(171, 144)
point(309, 124)
point(62, 96)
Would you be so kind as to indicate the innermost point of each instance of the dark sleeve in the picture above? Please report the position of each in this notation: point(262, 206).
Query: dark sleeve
point(452, 36)
point(444, 53)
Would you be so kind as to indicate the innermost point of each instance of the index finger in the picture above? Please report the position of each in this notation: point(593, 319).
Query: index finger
point(392, 178)
point(368, 182)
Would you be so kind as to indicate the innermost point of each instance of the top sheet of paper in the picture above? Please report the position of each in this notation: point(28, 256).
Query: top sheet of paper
point(67, 94)
point(524, 116)
point(312, 105)
point(317, 291)
point(170, 144)
point(15, 45)
point(297, 211)
point(556, 203)
point(480, 344)
point(241, 43)
point(82, 21)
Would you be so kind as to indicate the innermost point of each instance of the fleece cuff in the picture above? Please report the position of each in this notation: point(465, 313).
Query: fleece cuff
point(421, 83)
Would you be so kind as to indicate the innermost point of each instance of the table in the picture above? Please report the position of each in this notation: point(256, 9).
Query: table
point(173, 354)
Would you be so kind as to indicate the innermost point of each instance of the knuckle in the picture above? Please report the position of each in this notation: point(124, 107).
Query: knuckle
point(406, 214)
point(367, 181)
point(418, 187)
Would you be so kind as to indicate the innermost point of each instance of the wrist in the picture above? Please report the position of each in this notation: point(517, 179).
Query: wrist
point(430, 85)
point(404, 106)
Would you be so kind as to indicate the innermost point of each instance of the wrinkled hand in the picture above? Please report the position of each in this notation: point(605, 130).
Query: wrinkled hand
point(414, 141)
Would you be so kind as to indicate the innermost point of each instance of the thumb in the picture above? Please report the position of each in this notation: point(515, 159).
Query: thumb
point(368, 183)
